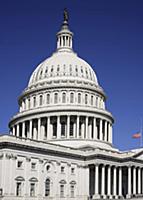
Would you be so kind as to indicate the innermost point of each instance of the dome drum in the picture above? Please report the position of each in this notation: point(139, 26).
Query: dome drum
point(63, 126)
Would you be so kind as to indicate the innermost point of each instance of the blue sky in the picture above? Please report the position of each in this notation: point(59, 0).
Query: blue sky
point(107, 34)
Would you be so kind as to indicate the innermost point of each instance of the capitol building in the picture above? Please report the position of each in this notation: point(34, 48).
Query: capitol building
point(59, 145)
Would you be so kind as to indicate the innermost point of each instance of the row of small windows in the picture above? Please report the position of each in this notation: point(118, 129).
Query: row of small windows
point(33, 187)
point(73, 70)
point(71, 98)
point(33, 167)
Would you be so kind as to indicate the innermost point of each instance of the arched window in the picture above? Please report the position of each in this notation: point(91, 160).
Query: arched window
point(72, 190)
point(33, 182)
point(85, 98)
point(56, 98)
point(96, 102)
point(19, 181)
point(47, 187)
point(34, 101)
point(48, 98)
point(32, 189)
point(62, 190)
point(29, 103)
point(79, 98)
point(91, 100)
point(41, 100)
point(71, 97)
point(64, 97)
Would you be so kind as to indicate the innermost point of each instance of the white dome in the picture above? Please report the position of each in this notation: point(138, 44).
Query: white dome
point(63, 65)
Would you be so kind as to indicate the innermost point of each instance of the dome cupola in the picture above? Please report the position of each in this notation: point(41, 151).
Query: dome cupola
point(64, 36)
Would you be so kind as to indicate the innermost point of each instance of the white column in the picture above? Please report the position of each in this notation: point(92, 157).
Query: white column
point(120, 181)
point(30, 129)
point(48, 128)
point(90, 129)
point(100, 130)
point(109, 181)
point(68, 126)
point(82, 129)
point(103, 180)
point(58, 128)
point(17, 130)
point(96, 179)
point(106, 130)
point(129, 181)
point(86, 128)
point(23, 129)
point(110, 133)
point(13, 130)
point(94, 128)
point(139, 180)
point(39, 129)
point(77, 126)
point(114, 180)
point(134, 180)
point(35, 130)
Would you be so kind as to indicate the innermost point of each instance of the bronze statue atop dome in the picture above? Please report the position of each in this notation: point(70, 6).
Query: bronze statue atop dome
point(66, 16)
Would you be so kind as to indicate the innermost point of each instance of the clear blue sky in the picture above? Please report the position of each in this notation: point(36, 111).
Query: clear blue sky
point(108, 34)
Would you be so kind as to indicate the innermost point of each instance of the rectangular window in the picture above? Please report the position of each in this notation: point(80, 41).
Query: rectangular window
point(72, 191)
point(55, 129)
point(62, 169)
point(63, 129)
point(41, 100)
point(18, 188)
point(71, 128)
point(33, 165)
point(34, 101)
point(32, 189)
point(61, 190)
point(72, 170)
point(19, 164)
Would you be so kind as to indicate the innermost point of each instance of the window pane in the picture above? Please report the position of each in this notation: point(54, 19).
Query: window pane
point(47, 187)
point(62, 190)
point(48, 98)
point(71, 97)
point(64, 98)
point(18, 188)
point(79, 98)
point(72, 191)
point(56, 98)
point(32, 189)
point(63, 129)
point(41, 100)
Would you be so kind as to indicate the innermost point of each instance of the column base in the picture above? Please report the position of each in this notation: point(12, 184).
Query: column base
point(109, 196)
point(128, 196)
point(96, 196)
point(103, 196)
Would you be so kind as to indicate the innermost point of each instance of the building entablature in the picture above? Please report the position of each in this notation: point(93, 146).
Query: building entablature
point(62, 110)
point(9, 142)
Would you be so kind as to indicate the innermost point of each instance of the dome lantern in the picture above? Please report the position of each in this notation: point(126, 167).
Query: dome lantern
point(64, 36)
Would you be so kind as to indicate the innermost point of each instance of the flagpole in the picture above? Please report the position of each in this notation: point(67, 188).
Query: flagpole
point(141, 127)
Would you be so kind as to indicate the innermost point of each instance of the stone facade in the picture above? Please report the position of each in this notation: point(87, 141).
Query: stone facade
point(60, 142)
